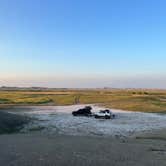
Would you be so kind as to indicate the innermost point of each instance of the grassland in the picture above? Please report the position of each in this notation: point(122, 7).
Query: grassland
point(133, 99)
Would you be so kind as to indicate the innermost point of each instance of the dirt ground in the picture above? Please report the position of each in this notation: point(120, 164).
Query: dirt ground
point(36, 149)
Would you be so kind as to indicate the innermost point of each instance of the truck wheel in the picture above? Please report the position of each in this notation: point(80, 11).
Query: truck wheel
point(96, 117)
point(113, 116)
point(107, 117)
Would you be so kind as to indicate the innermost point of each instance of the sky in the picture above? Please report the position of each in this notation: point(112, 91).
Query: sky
point(83, 43)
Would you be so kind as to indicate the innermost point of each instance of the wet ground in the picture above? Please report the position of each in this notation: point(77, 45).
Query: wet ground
point(55, 137)
point(58, 119)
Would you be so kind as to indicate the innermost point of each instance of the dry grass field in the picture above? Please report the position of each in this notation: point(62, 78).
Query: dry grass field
point(132, 99)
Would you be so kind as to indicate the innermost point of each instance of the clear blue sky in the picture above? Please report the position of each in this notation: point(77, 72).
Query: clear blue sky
point(83, 43)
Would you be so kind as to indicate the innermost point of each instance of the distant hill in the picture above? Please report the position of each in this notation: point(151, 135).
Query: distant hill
point(5, 88)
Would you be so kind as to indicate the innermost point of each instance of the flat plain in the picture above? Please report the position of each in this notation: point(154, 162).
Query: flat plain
point(38, 148)
point(142, 100)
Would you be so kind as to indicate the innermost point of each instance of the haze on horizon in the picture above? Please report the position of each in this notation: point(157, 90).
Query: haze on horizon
point(83, 44)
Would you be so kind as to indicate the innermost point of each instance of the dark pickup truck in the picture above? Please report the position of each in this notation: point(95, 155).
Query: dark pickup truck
point(83, 112)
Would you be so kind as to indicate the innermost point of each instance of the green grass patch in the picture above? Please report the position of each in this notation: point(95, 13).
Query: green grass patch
point(133, 100)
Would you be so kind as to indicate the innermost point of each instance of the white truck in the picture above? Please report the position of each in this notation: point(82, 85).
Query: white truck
point(104, 114)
